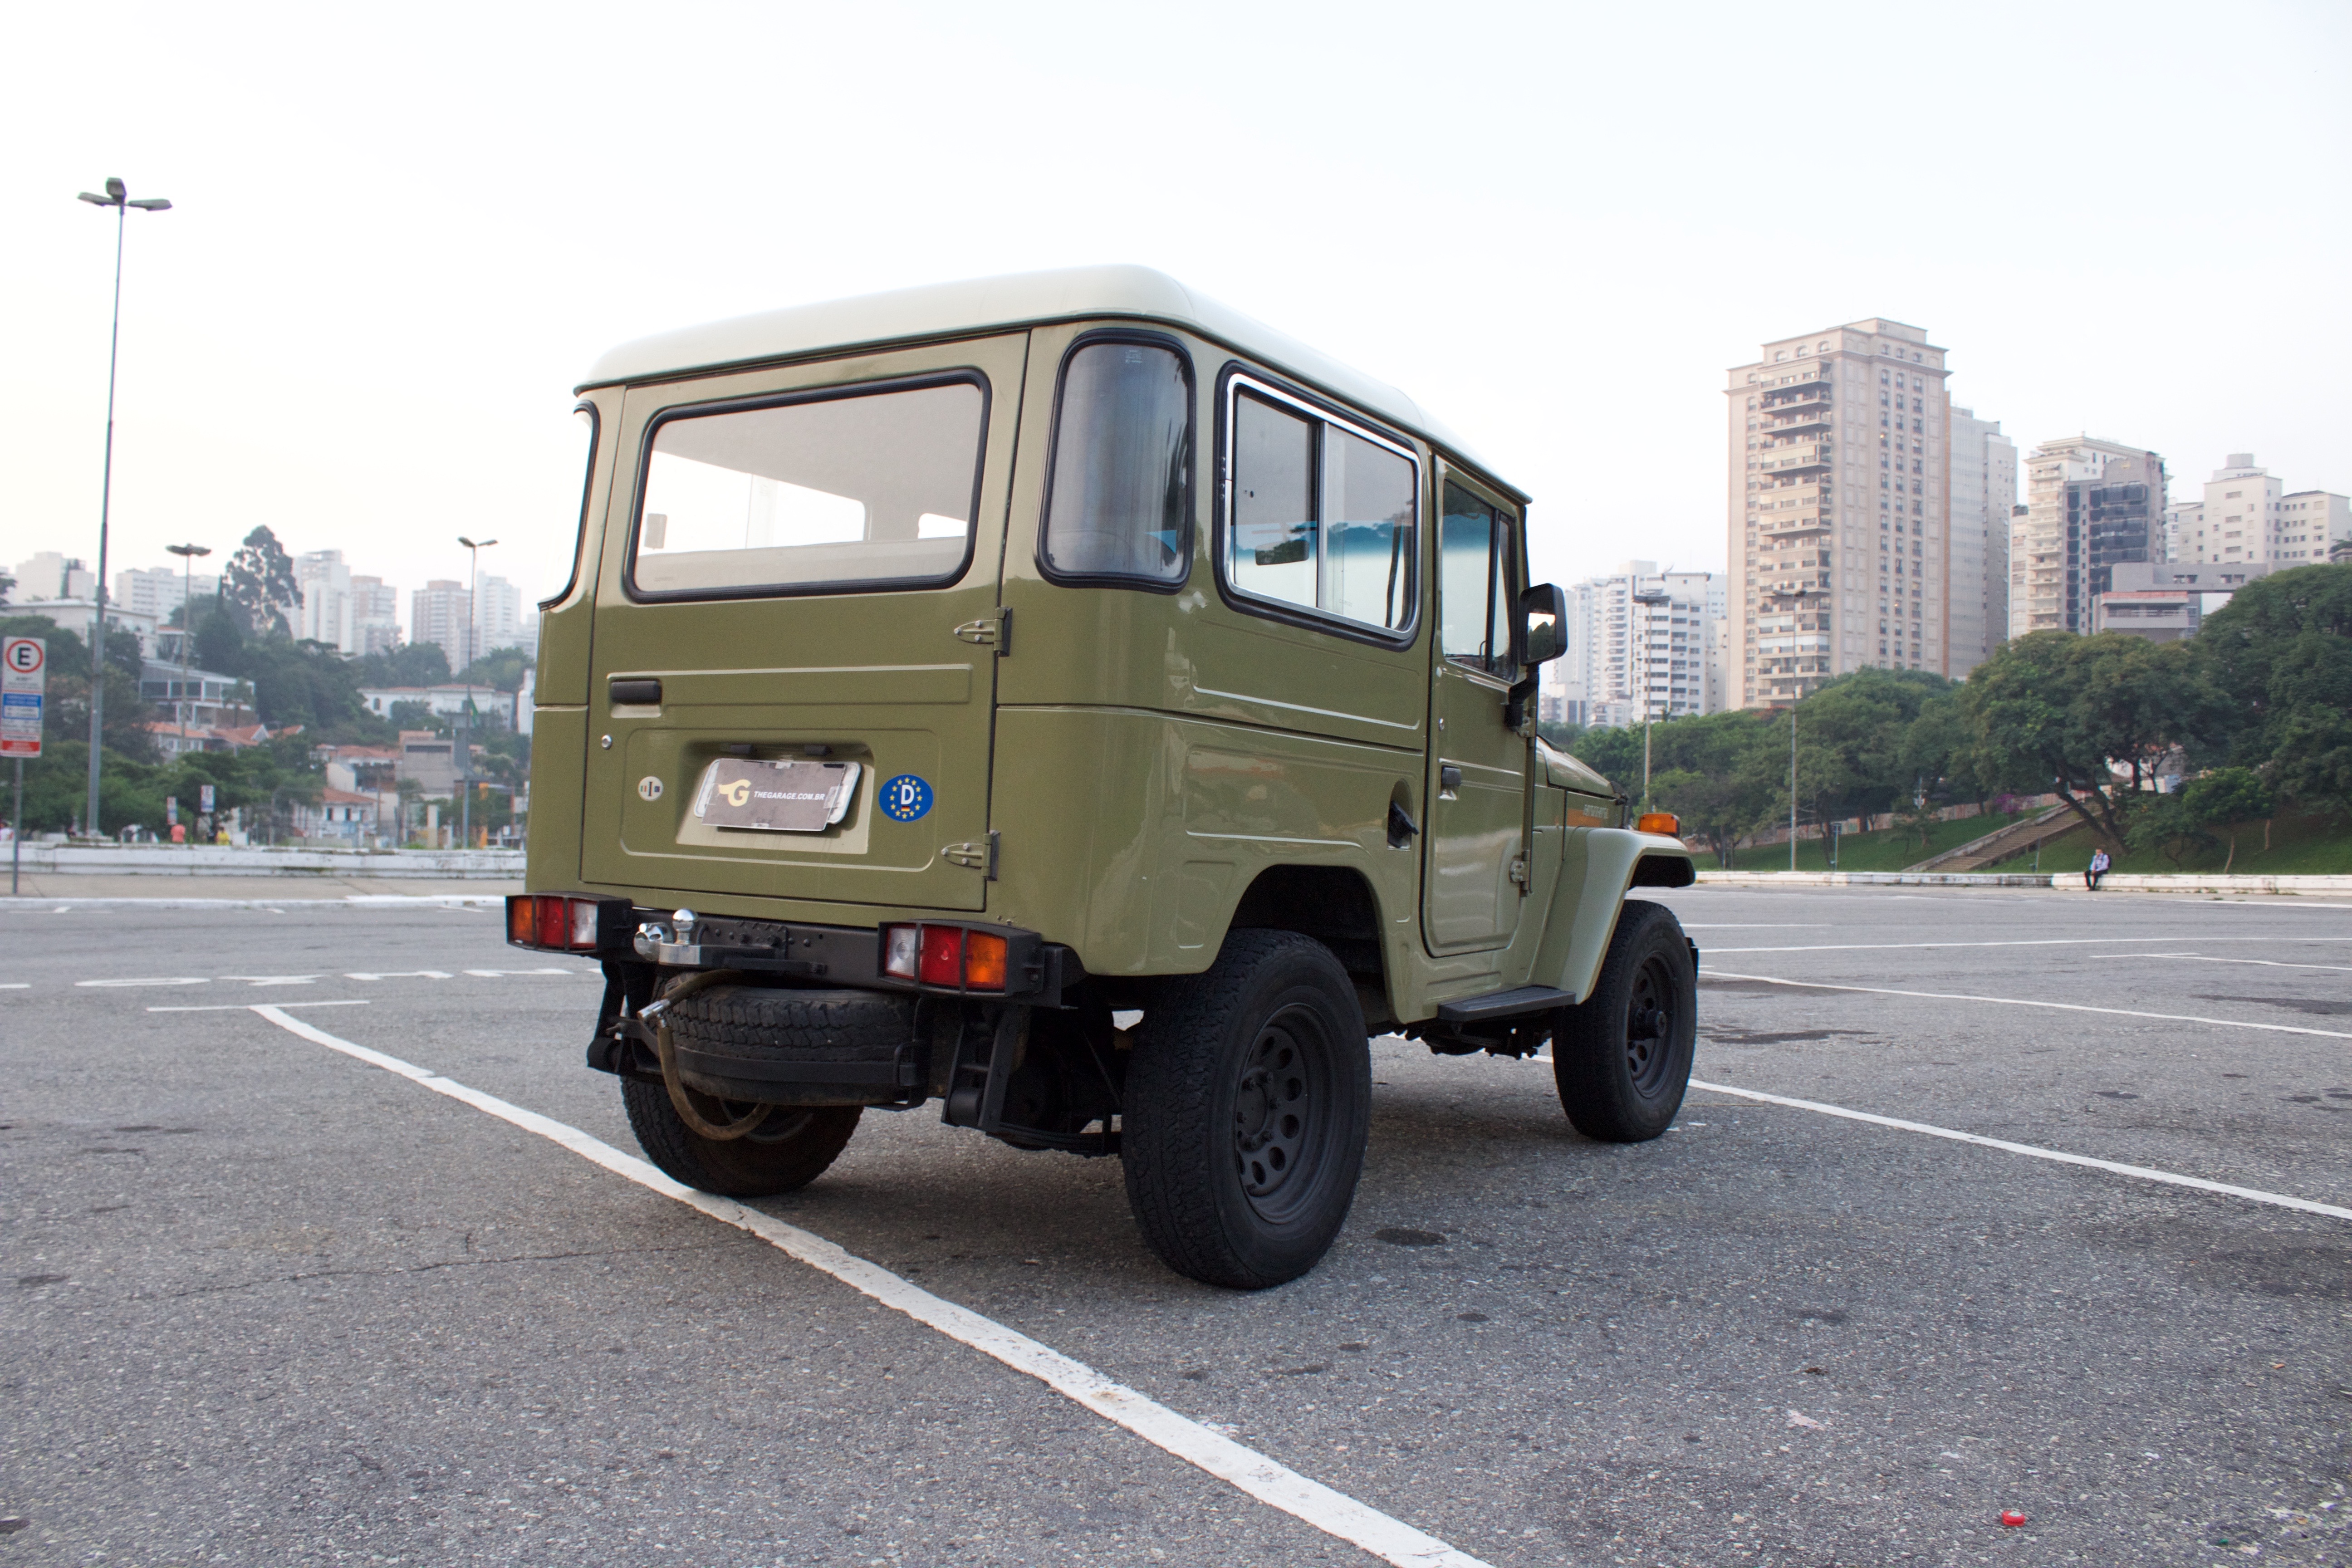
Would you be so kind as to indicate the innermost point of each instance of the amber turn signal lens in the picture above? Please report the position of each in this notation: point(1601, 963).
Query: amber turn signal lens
point(983, 961)
point(1664, 822)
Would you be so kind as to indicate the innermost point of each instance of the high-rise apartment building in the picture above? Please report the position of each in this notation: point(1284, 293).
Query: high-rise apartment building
point(1983, 494)
point(2245, 517)
point(375, 616)
point(1637, 645)
point(325, 615)
point(159, 591)
point(50, 575)
point(499, 616)
point(1839, 486)
point(2090, 506)
point(441, 612)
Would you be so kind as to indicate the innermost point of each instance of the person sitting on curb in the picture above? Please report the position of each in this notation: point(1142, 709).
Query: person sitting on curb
point(2097, 869)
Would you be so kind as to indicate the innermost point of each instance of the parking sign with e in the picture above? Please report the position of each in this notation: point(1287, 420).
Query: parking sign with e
point(24, 679)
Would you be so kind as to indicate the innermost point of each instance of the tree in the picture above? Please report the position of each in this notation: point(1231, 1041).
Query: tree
point(260, 585)
point(413, 664)
point(2282, 651)
point(2229, 797)
point(500, 669)
point(2092, 716)
point(1615, 754)
point(1704, 774)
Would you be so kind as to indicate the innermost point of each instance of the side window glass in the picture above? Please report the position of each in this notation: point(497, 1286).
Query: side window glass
point(1274, 543)
point(1122, 452)
point(1501, 602)
point(1367, 559)
point(1466, 569)
point(1322, 518)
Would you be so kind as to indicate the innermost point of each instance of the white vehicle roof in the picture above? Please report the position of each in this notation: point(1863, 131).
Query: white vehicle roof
point(1016, 299)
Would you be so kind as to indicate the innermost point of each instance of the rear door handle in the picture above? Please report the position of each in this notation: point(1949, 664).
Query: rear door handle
point(636, 693)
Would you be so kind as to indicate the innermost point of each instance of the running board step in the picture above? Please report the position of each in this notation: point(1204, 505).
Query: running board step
point(1504, 1004)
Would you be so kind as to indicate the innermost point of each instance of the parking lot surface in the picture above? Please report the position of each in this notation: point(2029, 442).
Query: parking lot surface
point(270, 1301)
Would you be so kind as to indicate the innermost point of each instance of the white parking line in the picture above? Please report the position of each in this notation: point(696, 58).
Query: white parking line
point(2021, 1002)
point(1335, 1513)
point(2208, 958)
point(247, 1006)
point(2142, 1173)
point(2023, 941)
point(183, 980)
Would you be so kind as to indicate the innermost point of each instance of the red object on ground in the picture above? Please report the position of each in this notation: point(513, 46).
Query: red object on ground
point(2010, 1517)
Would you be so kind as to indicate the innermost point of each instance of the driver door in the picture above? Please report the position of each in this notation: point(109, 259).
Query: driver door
point(1475, 869)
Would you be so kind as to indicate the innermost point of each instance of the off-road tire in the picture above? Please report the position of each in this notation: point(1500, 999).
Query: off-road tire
point(1246, 1106)
point(1622, 1058)
point(747, 1042)
point(785, 1153)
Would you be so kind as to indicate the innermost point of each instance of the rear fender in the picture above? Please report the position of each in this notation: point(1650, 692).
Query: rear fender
point(1584, 908)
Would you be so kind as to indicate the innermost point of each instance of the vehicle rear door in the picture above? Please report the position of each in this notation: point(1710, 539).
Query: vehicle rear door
point(1477, 785)
point(803, 569)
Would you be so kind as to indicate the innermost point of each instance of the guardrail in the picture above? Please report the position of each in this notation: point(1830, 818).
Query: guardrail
point(232, 860)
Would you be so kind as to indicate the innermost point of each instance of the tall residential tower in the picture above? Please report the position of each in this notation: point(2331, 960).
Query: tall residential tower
point(1837, 505)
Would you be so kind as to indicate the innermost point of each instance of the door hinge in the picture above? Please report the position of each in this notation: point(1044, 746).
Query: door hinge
point(980, 857)
point(993, 630)
point(1519, 871)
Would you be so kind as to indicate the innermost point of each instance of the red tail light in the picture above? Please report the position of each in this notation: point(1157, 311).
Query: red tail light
point(952, 956)
point(552, 921)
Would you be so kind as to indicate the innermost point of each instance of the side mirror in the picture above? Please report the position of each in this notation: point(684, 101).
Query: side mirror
point(1543, 623)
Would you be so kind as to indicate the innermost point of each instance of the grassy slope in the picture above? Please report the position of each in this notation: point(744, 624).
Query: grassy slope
point(1889, 849)
point(2305, 846)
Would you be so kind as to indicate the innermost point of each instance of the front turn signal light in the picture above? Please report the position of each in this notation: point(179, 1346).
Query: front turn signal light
point(1664, 822)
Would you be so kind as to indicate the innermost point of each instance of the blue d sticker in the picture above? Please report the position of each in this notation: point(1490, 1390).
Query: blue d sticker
point(906, 798)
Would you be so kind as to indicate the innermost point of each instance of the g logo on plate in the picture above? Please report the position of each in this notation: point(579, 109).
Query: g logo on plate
point(649, 787)
point(906, 798)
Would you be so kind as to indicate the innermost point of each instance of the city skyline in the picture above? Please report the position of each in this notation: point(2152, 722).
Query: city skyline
point(462, 315)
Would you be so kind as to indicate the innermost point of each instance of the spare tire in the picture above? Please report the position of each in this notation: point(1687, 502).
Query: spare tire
point(767, 1045)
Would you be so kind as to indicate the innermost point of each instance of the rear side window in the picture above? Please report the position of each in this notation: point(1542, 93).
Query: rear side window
point(858, 490)
point(1473, 584)
point(1121, 488)
point(1323, 515)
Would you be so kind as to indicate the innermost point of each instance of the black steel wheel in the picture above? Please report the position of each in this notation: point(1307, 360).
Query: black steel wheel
point(784, 1151)
point(1248, 1100)
point(1622, 1058)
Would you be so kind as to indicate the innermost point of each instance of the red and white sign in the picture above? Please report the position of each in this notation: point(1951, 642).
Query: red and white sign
point(24, 680)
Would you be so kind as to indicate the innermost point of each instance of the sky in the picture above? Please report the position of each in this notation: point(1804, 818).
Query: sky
point(400, 236)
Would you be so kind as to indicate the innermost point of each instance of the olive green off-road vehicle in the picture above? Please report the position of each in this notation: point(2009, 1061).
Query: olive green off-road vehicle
point(1063, 697)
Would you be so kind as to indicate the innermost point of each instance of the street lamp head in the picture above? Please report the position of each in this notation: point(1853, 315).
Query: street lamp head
point(189, 548)
point(96, 200)
point(117, 189)
point(153, 204)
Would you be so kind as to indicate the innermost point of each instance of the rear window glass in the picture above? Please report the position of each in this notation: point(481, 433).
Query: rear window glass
point(863, 490)
point(1122, 456)
point(1322, 518)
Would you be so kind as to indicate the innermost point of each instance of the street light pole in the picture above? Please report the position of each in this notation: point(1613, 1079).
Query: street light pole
point(466, 740)
point(188, 553)
point(118, 197)
point(1793, 783)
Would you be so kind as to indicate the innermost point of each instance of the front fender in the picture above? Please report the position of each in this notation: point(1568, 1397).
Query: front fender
point(1585, 906)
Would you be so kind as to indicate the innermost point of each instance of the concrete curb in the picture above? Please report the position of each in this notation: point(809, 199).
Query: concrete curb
point(2058, 881)
point(230, 860)
point(350, 900)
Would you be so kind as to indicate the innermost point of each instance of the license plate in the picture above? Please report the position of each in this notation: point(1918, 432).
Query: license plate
point(775, 797)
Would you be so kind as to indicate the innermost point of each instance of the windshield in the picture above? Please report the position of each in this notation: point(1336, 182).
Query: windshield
point(847, 490)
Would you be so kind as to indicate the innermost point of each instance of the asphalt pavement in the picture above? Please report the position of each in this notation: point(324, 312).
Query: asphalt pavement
point(270, 1303)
